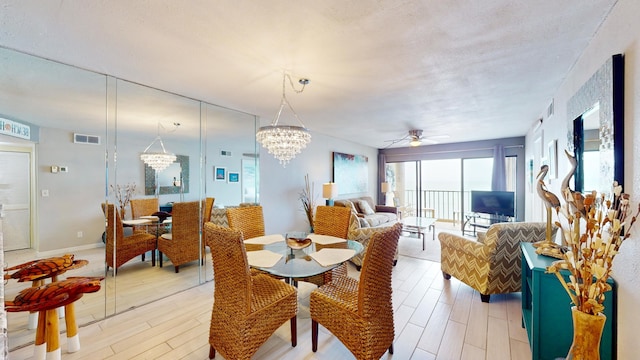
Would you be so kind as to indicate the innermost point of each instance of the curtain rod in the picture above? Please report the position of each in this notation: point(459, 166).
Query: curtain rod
point(451, 151)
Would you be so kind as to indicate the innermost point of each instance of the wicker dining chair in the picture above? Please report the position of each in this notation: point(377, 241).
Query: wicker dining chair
point(332, 221)
point(208, 206)
point(143, 207)
point(247, 309)
point(183, 244)
point(248, 219)
point(124, 247)
point(360, 313)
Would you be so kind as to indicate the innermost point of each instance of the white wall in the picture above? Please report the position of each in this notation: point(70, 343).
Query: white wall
point(280, 187)
point(620, 33)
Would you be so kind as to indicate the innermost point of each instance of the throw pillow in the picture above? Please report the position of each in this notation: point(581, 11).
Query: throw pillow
point(365, 208)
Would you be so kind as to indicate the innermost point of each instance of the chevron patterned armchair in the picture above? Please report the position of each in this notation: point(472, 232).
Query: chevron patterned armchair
point(492, 264)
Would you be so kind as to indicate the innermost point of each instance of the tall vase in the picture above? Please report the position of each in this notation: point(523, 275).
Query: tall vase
point(587, 332)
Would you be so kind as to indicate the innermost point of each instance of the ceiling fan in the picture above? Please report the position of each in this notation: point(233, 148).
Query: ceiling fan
point(415, 138)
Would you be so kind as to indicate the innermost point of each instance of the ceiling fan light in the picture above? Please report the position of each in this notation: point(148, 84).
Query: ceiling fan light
point(415, 142)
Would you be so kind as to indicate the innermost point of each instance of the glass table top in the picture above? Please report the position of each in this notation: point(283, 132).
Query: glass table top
point(299, 263)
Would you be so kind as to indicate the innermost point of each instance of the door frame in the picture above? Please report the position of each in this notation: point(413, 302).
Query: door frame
point(33, 219)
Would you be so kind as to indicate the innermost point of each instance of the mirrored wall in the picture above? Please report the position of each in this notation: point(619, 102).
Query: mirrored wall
point(94, 127)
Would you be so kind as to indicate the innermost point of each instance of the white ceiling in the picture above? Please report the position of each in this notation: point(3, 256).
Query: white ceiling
point(471, 70)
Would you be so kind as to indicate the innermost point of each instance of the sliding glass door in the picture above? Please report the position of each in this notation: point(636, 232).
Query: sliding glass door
point(442, 188)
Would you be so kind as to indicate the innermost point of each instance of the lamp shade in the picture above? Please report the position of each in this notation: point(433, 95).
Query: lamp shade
point(385, 187)
point(329, 190)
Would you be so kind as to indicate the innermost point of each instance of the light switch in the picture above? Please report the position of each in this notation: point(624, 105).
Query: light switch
point(54, 169)
point(64, 169)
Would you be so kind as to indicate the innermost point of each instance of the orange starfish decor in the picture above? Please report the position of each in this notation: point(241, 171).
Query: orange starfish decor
point(44, 268)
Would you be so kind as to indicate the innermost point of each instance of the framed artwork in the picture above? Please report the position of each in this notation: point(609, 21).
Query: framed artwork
point(350, 173)
point(220, 173)
point(234, 177)
point(552, 153)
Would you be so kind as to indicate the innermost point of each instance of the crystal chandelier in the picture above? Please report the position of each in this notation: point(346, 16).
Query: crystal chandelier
point(284, 142)
point(158, 161)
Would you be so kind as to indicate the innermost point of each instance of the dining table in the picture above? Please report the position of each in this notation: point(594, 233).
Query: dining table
point(274, 255)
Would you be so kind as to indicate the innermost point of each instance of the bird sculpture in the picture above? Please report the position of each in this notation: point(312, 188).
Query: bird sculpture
point(574, 199)
point(549, 199)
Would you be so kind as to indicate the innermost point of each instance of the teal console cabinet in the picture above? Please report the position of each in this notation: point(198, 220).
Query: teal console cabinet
point(546, 310)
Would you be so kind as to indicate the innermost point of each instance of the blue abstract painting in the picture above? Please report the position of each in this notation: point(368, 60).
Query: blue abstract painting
point(350, 173)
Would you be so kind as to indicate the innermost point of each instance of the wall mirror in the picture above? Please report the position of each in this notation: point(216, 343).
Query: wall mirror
point(596, 122)
point(60, 100)
point(172, 180)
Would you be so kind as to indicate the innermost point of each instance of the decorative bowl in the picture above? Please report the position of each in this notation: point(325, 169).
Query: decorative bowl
point(297, 240)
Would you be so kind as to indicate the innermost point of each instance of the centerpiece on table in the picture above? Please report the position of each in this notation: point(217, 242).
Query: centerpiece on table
point(593, 237)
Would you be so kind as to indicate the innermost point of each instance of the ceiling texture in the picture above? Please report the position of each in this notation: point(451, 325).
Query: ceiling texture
point(458, 70)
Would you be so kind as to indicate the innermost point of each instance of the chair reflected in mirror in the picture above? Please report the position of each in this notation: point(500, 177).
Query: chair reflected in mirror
point(124, 248)
point(183, 244)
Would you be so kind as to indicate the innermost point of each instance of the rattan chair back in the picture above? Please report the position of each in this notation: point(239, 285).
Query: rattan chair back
point(374, 291)
point(208, 206)
point(360, 312)
point(332, 220)
point(248, 219)
point(230, 268)
point(184, 245)
point(143, 207)
point(247, 309)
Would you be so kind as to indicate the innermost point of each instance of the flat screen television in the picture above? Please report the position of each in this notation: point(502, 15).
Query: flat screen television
point(493, 202)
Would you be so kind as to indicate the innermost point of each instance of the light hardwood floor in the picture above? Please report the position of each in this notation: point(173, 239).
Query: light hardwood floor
point(434, 319)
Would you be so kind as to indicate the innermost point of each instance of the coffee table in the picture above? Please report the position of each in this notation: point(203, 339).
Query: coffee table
point(419, 225)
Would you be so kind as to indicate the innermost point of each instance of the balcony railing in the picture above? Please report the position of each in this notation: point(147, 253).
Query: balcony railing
point(441, 204)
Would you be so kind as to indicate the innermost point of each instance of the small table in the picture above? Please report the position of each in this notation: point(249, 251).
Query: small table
point(419, 225)
point(296, 264)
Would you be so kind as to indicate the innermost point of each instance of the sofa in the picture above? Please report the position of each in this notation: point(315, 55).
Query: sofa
point(369, 214)
point(492, 263)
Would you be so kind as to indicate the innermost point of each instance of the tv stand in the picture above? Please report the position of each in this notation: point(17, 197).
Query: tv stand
point(473, 221)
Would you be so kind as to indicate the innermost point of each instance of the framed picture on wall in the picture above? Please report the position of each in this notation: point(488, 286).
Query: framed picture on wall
point(220, 173)
point(552, 153)
point(234, 177)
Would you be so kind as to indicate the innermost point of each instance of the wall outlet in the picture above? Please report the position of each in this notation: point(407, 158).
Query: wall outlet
point(45, 193)
point(80, 234)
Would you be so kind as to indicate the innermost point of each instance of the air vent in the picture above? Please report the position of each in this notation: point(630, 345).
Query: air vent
point(225, 153)
point(86, 139)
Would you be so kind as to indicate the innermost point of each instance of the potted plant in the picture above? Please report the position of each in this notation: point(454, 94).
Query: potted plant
point(308, 199)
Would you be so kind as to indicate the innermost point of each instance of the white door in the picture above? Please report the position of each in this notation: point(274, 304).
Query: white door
point(15, 196)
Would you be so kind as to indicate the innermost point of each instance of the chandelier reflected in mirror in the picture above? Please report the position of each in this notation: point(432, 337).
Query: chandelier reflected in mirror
point(284, 142)
point(158, 161)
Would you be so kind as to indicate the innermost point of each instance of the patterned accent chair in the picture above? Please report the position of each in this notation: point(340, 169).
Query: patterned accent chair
point(492, 264)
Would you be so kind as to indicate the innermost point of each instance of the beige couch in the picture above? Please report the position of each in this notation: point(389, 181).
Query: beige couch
point(362, 225)
point(369, 214)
